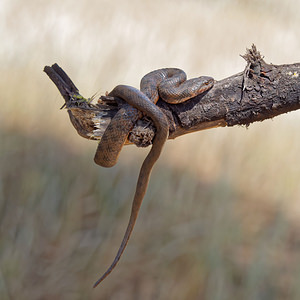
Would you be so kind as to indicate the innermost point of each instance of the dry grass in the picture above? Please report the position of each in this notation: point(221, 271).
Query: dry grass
point(220, 219)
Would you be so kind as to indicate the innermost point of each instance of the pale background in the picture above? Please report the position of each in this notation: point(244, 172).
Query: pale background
point(221, 216)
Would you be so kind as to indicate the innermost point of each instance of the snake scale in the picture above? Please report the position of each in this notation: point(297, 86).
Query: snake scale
point(171, 85)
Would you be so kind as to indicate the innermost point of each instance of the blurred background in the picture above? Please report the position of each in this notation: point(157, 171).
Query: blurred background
point(221, 216)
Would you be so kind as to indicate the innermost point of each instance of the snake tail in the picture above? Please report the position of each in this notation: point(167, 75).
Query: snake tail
point(140, 101)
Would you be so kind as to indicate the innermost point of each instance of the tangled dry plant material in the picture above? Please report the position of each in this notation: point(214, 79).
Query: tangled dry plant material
point(260, 92)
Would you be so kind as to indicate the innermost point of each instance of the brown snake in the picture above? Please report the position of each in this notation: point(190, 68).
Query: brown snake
point(171, 85)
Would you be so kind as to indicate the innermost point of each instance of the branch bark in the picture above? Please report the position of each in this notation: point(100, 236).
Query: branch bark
point(260, 92)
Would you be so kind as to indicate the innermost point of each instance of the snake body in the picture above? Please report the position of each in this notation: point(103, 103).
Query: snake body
point(171, 85)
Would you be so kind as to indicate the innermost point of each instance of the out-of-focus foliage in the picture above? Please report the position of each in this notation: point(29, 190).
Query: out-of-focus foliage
point(220, 219)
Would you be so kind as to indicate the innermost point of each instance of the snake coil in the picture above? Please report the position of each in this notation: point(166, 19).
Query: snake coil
point(171, 85)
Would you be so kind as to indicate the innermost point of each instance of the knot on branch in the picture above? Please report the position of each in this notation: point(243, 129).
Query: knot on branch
point(142, 133)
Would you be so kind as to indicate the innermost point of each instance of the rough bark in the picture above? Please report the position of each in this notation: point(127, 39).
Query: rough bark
point(260, 92)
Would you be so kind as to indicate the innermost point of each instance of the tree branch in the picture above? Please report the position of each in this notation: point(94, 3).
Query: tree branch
point(260, 92)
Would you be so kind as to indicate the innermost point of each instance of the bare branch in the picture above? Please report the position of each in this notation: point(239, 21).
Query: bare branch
point(260, 92)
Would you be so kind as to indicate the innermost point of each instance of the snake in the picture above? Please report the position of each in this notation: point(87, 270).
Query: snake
point(171, 85)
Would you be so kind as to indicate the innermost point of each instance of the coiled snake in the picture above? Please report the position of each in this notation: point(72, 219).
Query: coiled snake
point(171, 85)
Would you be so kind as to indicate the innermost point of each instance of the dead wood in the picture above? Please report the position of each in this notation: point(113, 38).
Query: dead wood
point(260, 92)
